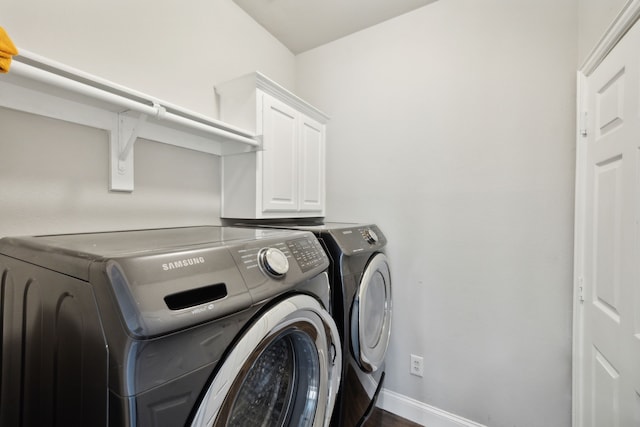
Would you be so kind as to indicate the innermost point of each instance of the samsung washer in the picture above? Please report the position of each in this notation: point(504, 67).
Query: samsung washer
point(198, 326)
point(361, 306)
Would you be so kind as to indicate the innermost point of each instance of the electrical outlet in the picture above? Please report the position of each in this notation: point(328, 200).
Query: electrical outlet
point(417, 366)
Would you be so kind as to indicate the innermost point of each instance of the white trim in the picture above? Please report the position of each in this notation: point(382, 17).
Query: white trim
point(274, 89)
point(578, 248)
point(421, 413)
point(618, 28)
point(246, 85)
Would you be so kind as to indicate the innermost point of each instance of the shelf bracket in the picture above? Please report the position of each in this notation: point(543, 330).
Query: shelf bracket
point(122, 140)
point(260, 140)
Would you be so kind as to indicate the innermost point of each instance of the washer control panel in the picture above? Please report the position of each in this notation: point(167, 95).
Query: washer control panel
point(288, 261)
point(273, 262)
point(269, 258)
point(270, 266)
point(307, 252)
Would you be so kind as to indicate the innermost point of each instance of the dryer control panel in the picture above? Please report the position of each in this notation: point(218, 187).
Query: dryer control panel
point(361, 238)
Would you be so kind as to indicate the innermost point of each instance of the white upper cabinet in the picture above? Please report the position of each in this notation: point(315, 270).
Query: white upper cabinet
point(286, 178)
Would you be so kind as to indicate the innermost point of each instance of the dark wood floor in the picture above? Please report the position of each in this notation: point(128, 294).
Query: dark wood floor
point(380, 418)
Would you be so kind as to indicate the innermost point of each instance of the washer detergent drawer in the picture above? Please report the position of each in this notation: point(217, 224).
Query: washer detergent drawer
point(165, 292)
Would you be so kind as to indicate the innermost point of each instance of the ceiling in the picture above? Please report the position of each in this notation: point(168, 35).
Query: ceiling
point(304, 24)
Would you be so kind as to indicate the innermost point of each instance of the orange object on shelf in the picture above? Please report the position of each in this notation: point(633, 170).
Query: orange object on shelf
point(7, 51)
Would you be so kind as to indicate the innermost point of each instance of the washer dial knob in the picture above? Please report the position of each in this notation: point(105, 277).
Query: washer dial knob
point(370, 236)
point(273, 262)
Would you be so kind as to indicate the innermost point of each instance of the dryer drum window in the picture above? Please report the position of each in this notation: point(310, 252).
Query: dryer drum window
point(371, 315)
point(375, 312)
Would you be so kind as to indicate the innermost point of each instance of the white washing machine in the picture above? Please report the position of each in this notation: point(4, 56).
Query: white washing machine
point(197, 326)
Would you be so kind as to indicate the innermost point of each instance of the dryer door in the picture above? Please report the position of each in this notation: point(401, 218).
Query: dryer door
point(285, 370)
point(371, 315)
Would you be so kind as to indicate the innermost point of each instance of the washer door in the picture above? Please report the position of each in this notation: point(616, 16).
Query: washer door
point(285, 370)
point(371, 315)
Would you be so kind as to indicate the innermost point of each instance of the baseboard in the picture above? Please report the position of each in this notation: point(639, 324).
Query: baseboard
point(419, 412)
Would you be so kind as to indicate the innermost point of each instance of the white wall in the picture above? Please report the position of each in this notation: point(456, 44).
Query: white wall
point(174, 51)
point(54, 176)
point(453, 129)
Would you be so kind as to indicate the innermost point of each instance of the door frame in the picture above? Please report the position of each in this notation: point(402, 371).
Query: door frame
point(629, 15)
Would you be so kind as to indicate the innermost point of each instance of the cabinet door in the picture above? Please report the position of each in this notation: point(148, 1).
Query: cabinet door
point(311, 179)
point(279, 157)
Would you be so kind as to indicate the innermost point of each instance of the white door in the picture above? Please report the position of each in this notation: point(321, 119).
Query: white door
point(311, 165)
point(280, 156)
point(607, 359)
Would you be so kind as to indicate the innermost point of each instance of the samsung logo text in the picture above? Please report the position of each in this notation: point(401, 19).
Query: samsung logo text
point(182, 263)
